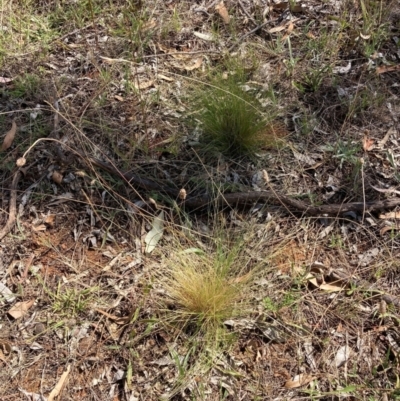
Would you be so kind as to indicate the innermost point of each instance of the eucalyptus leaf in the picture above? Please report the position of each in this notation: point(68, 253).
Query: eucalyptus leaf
point(155, 234)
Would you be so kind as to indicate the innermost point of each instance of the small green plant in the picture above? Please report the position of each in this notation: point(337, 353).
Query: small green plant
point(289, 299)
point(374, 30)
point(347, 152)
point(314, 78)
point(230, 119)
point(71, 301)
point(25, 86)
point(336, 241)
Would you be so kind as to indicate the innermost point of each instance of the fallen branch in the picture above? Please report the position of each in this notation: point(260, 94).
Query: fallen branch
point(246, 198)
point(12, 214)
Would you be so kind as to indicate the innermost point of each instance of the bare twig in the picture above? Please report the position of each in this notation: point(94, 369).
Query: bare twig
point(246, 12)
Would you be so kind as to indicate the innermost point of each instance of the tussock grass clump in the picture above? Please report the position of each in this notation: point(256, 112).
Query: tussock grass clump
point(230, 120)
point(205, 289)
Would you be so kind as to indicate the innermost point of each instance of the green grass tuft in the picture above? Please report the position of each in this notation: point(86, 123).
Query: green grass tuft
point(230, 120)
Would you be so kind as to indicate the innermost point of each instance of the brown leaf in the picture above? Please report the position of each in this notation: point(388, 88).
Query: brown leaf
point(387, 68)
point(223, 12)
point(144, 85)
point(299, 380)
point(20, 309)
point(368, 143)
point(57, 177)
point(4, 80)
point(40, 227)
point(8, 139)
point(278, 28)
point(5, 350)
point(289, 30)
point(119, 98)
point(324, 286)
point(330, 288)
point(265, 176)
point(196, 65)
point(386, 229)
point(49, 220)
point(390, 215)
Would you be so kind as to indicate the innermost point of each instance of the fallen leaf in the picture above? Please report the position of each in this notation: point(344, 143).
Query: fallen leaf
point(299, 380)
point(324, 286)
point(289, 30)
point(205, 36)
point(49, 220)
point(330, 288)
point(6, 293)
point(5, 350)
point(277, 29)
point(155, 234)
point(386, 229)
point(390, 215)
point(119, 98)
point(368, 144)
point(223, 12)
point(342, 356)
point(4, 80)
point(143, 85)
point(57, 177)
point(390, 190)
point(365, 37)
point(56, 200)
point(387, 68)
point(20, 309)
point(382, 143)
point(194, 66)
point(40, 227)
point(8, 139)
point(265, 176)
point(342, 70)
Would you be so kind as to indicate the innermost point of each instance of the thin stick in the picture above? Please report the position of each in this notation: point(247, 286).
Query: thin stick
point(12, 215)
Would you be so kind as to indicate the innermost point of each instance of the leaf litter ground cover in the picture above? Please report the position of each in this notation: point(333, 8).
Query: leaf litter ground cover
point(115, 284)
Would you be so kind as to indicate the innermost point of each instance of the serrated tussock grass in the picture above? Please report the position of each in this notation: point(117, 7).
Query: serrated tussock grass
point(204, 289)
point(230, 119)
